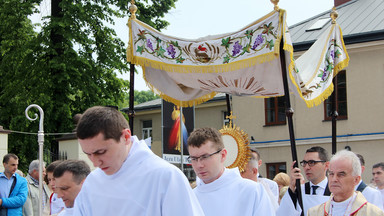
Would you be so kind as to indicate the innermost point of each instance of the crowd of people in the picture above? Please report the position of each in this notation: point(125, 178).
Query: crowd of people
point(131, 180)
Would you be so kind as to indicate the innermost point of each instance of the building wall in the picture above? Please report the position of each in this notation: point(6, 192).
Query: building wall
point(363, 130)
point(155, 116)
point(73, 149)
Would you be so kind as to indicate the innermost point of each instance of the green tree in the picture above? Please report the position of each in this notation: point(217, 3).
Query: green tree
point(68, 66)
point(144, 96)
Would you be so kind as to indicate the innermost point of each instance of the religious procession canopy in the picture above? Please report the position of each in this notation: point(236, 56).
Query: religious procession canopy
point(243, 63)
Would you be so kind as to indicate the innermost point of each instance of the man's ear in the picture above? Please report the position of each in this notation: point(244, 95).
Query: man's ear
point(126, 134)
point(357, 180)
point(362, 169)
point(327, 165)
point(259, 162)
point(223, 155)
point(254, 170)
point(82, 181)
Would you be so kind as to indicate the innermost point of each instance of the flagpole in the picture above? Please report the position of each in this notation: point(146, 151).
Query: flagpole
point(131, 111)
point(334, 15)
point(289, 113)
point(181, 141)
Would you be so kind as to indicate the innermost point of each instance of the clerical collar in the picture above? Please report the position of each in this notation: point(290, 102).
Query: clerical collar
point(342, 208)
point(322, 184)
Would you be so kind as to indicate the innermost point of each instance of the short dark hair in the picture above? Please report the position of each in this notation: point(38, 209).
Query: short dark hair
point(381, 165)
point(52, 166)
point(8, 156)
point(256, 151)
point(361, 158)
point(79, 169)
point(98, 119)
point(323, 154)
point(199, 136)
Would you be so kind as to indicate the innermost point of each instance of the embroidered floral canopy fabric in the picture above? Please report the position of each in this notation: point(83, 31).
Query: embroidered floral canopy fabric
point(245, 63)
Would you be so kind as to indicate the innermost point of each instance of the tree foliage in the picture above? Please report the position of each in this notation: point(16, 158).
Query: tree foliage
point(68, 66)
point(144, 96)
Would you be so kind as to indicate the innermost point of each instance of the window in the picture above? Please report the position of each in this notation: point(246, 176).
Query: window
point(147, 129)
point(274, 168)
point(275, 111)
point(319, 24)
point(225, 119)
point(341, 98)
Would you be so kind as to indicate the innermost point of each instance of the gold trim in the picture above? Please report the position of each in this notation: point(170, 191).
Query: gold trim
point(133, 9)
point(243, 153)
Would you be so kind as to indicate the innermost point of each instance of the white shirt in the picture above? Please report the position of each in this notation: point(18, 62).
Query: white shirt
point(66, 212)
point(382, 194)
point(372, 195)
point(274, 200)
point(272, 186)
point(57, 204)
point(145, 185)
point(288, 208)
point(342, 208)
point(232, 195)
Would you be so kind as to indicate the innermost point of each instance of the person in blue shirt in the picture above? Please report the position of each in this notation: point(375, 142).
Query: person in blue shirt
point(13, 188)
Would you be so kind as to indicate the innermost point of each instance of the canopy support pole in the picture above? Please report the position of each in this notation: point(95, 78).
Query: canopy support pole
point(131, 111)
point(334, 116)
point(228, 104)
point(289, 113)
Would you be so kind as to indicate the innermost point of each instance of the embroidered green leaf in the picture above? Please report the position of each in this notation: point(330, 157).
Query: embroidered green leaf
point(226, 42)
point(180, 60)
point(140, 49)
point(338, 53)
point(160, 51)
point(141, 34)
point(246, 48)
point(158, 40)
point(249, 33)
point(175, 43)
point(226, 59)
point(268, 28)
point(329, 68)
point(270, 44)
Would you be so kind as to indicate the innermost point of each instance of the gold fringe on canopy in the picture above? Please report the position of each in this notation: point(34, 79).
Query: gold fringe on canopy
point(242, 63)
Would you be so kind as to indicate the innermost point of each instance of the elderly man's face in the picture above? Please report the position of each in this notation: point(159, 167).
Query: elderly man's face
point(341, 181)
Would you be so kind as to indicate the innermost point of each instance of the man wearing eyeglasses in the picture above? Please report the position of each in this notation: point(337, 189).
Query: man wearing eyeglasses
point(315, 191)
point(222, 191)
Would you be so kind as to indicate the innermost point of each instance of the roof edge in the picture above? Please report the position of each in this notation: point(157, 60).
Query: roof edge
point(348, 39)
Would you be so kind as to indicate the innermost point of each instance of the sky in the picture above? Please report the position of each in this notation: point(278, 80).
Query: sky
point(192, 19)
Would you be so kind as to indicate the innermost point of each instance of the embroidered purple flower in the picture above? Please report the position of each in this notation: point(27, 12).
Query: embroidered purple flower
point(149, 44)
point(171, 51)
point(259, 40)
point(236, 48)
point(333, 54)
point(325, 74)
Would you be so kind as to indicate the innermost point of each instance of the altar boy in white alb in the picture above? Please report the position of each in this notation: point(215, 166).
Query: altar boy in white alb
point(222, 191)
point(130, 180)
